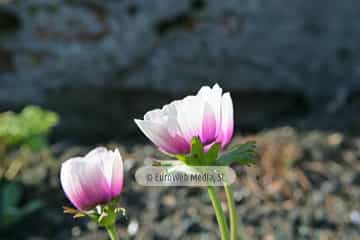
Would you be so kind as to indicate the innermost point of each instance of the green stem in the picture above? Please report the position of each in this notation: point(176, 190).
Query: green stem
point(232, 212)
point(112, 232)
point(223, 227)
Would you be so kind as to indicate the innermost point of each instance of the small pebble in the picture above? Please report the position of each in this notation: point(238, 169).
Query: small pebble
point(133, 227)
point(76, 231)
point(335, 139)
point(169, 200)
point(91, 226)
point(355, 217)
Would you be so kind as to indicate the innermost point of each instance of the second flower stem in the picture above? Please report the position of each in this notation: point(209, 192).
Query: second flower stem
point(112, 232)
point(232, 212)
point(221, 219)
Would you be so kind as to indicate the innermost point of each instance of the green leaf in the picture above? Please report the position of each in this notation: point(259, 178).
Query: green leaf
point(32, 122)
point(197, 156)
point(197, 152)
point(212, 154)
point(31, 207)
point(10, 195)
point(163, 163)
point(243, 154)
point(35, 142)
point(10, 211)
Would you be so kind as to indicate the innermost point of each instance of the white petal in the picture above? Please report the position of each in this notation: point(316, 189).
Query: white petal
point(95, 152)
point(156, 133)
point(156, 115)
point(160, 136)
point(70, 183)
point(209, 125)
point(110, 163)
point(190, 116)
point(84, 182)
point(213, 98)
point(227, 118)
point(117, 176)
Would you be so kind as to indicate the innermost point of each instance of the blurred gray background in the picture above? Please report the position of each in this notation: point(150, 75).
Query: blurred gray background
point(102, 63)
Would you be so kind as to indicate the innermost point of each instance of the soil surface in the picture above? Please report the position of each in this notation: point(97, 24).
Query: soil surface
point(306, 185)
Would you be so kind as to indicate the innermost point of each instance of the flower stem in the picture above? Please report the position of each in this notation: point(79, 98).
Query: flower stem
point(232, 212)
point(223, 227)
point(112, 232)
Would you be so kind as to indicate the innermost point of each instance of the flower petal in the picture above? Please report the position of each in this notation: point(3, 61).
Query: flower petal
point(213, 97)
point(160, 136)
point(84, 183)
point(208, 126)
point(227, 120)
point(110, 162)
point(190, 114)
point(70, 185)
point(117, 176)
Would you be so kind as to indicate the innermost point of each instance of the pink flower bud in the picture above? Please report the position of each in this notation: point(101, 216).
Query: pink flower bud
point(94, 179)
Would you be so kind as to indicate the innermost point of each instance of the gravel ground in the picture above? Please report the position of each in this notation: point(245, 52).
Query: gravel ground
point(306, 185)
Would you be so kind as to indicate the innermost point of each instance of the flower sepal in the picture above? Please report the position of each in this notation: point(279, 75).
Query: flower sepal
point(104, 215)
point(198, 156)
point(243, 154)
point(72, 211)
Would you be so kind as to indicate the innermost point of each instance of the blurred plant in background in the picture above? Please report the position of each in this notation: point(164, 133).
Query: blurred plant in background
point(29, 128)
point(25, 157)
point(11, 211)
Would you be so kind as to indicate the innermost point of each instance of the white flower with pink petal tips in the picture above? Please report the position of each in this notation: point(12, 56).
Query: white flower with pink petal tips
point(208, 115)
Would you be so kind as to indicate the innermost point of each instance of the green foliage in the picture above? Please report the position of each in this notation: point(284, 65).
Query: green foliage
point(23, 139)
point(23, 149)
point(243, 154)
point(197, 156)
point(28, 128)
point(10, 210)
